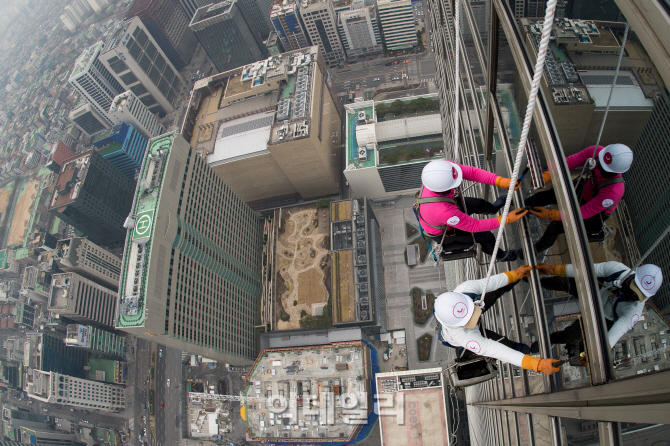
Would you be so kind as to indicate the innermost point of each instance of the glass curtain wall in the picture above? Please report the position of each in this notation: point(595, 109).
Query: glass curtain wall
point(587, 402)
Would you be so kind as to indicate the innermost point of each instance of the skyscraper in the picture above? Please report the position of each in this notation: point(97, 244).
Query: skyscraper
point(88, 119)
point(129, 109)
point(123, 146)
point(226, 36)
point(168, 25)
point(94, 197)
point(82, 300)
point(397, 22)
point(56, 388)
point(360, 31)
point(285, 16)
point(138, 63)
point(94, 81)
point(321, 22)
point(190, 276)
point(82, 256)
point(257, 15)
point(96, 340)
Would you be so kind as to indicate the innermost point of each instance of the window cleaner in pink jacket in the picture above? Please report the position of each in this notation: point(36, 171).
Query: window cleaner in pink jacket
point(601, 195)
point(439, 210)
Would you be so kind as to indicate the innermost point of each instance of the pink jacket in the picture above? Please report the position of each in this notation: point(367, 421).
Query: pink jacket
point(438, 214)
point(607, 198)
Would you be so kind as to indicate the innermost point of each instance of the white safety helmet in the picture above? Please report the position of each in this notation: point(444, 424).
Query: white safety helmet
point(648, 279)
point(456, 310)
point(441, 175)
point(616, 158)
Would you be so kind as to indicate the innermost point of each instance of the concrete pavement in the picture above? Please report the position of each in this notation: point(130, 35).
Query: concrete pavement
point(168, 366)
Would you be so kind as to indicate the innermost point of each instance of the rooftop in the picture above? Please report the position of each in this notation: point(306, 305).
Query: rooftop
point(287, 385)
point(83, 62)
point(207, 14)
point(421, 390)
point(627, 93)
point(70, 180)
point(242, 137)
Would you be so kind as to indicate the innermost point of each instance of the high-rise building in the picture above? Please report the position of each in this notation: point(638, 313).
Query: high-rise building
point(226, 36)
point(82, 300)
point(320, 21)
point(19, 424)
point(60, 152)
point(190, 6)
point(257, 15)
point(123, 146)
point(94, 197)
point(141, 66)
point(360, 32)
point(199, 288)
point(285, 16)
point(36, 284)
point(87, 118)
point(168, 25)
point(99, 5)
point(47, 352)
point(127, 108)
point(396, 18)
point(55, 388)
point(273, 44)
point(95, 340)
point(82, 256)
point(94, 81)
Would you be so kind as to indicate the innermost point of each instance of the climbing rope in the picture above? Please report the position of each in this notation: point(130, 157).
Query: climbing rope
point(539, 68)
point(457, 80)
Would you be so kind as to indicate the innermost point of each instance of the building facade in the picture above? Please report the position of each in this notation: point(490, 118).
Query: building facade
point(225, 35)
point(140, 65)
point(124, 147)
point(74, 392)
point(82, 256)
point(285, 16)
point(360, 31)
point(186, 281)
point(320, 21)
point(95, 340)
point(127, 108)
point(94, 197)
point(87, 118)
point(520, 406)
point(60, 152)
point(82, 300)
point(94, 81)
point(396, 18)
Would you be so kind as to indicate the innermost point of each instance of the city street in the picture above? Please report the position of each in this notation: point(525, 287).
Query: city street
point(168, 366)
point(142, 364)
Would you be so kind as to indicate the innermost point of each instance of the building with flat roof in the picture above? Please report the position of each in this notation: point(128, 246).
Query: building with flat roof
point(94, 81)
point(320, 20)
point(359, 293)
point(82, 256)
point(359, 31)
point(190, 276)
point(82, 300)
point(316, 394)
point(388, 145)
point(285, 16)
point(55, 388)
point(60, 152)
point(123, 146)
point(277, 118)
point(226, 35)
point(93, 196)
point(412, 405)
point(128, 109)
point(397, 21)
point(95, 340)
point(88, 119)
point(36, 283)
point(139, 64)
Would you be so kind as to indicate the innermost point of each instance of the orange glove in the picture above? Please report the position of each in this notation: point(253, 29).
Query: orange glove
point(539, 365)
point(544, 269)
point(513, 216)
point(547, 176)
point(544, 213)
point(504, 183)
point(519, 273)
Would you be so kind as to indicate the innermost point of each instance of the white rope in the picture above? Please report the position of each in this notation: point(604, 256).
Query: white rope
point(457, 80)
point(539, 68)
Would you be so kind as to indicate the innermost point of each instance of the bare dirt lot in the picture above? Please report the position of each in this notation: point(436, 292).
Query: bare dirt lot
point(302, 258)
point(21, 216)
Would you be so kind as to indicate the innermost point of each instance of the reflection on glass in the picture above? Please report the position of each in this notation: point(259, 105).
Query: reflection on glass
point(577, 432)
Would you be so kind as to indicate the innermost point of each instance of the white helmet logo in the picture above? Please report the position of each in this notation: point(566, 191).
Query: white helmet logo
point(634, 319)
point(473, 346)
point(607, 203)
point(460, 310)
point(648, 282)
point(453, 221)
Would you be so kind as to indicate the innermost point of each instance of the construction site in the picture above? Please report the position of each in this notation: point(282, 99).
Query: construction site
point(311, 394)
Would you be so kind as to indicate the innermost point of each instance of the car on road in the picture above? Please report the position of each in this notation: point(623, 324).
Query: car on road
point(406, 61)
point(144, 431)
point(388, 64)
point(160, 352)
point(396, 78)
point(168, 382)
point(144, 419)
point(375, 79)
point(162, 404)
point(144, 406)
point(395, 62)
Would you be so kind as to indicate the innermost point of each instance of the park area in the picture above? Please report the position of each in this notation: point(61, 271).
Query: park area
point(16, 208)
point(302, 266)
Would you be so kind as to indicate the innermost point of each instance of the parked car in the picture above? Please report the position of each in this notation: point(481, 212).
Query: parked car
point(168, 382)
point(375, 79)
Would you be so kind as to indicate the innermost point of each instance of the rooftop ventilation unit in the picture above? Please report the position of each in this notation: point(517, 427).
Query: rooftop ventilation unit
point(361, 116)
point(283, 109)
point(363, 288)
point(361, 259)
point(362, 272)
point(363, 153)
point(361, 244)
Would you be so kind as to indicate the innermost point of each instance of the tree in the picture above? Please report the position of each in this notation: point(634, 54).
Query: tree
point(415, 153)
point(390, 158)
point(381, 110)
point(412, 107)
point(397, 107)
point(323, 203)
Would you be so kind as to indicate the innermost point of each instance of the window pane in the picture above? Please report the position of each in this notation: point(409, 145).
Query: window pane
point(151, 50)
point(138, 89)
point(128, 78)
